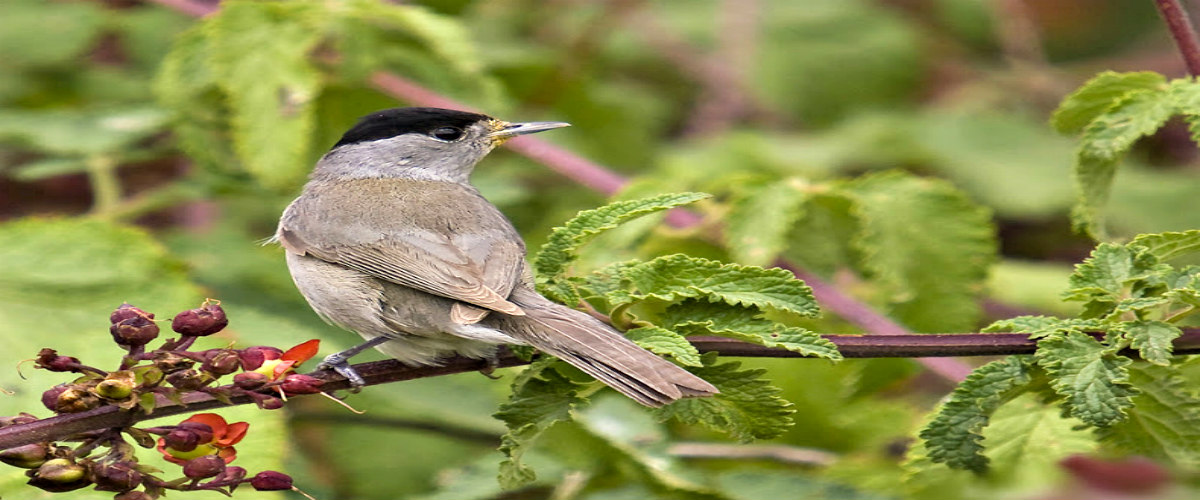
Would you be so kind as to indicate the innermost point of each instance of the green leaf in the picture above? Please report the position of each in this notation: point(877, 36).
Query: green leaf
point(747, 325)
point(1152, 339)
point(1098, 95)
point(760, 218)
point(954, 436)
point(540, 398)
point(747, 408)
point(1093, 181)
point(663, 341)
point(71, 132)
point(1164, 422)
point(1107, 273)
point(1041, 326)
point(187, 85)
point(1091, 376)
point(1167, 246)
point(556, 256)
point(676, 277)
point(44, 34)
point(259, 52)
point(928, 246)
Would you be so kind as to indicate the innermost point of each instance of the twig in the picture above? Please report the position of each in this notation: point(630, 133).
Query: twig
point(379, 372)
point(777, 452)
point(1183, 32)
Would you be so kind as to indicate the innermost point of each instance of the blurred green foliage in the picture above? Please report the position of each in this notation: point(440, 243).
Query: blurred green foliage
point(900, 149)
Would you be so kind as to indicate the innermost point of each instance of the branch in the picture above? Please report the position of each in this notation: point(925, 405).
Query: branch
point(380, 372)
point(1183, 32)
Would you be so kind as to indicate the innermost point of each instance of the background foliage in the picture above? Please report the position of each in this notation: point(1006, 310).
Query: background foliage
point(903, 150)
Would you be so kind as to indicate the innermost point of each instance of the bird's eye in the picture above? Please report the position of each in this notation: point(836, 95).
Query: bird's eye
point(447, 133)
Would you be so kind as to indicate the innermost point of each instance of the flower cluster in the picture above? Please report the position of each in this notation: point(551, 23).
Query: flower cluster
point(203, 444)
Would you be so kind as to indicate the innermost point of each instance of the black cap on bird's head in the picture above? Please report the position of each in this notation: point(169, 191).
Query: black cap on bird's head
point(443, 124)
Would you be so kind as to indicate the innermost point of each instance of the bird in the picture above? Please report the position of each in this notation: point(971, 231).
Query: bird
point(389, 239)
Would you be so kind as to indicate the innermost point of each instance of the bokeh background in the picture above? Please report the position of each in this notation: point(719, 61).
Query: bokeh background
point(147, 149)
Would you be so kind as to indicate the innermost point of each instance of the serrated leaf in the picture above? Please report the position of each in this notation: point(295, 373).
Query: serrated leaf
point(954, 436)
point(760, 218)
point(271, 88)
point(1093, 180)
point(556, 256)
point(677, 277)
point(928, 246)
point(1041, 326)
point(1105, 274)
point(1164, 422)
point(187, 86)
point(1167, 246)
point(540, 398)
point(748, 407)
point(747, 325)
point(1092, 378)
point(1152, 339)
point(1098, 95)
point(666, 342)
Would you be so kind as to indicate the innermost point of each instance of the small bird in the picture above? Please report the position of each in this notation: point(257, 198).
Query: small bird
point(390, 240)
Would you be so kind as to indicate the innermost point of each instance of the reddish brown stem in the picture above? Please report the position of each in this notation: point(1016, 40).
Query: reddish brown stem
point(1183, 32)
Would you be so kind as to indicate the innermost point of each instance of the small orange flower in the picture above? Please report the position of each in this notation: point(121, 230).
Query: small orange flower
point(224, 436)
point(275, 369)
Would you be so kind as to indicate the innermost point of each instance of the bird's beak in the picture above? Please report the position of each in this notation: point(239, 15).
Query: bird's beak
point(504, 130)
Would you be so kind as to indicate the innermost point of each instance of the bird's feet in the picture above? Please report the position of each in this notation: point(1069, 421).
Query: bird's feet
point(340, 362)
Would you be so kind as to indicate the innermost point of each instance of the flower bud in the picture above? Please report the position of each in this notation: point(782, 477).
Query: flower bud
point(270, 480)
point(114, 389)
point(49, 359)
point(202, 321)
point(187, 380)
point(75, 400)
point(127, 311)
point(220, 362)
point(170, 362)
point(119, 476)
point(203, 466)
point(18, 419)
point(301, 384)
point(250, 381)
point(231, 475)
point(135, 331)
point(58, 475)
point(50, 397)
point(187, 435)
point(253, 357)
point(270, 404)
point(30, 456)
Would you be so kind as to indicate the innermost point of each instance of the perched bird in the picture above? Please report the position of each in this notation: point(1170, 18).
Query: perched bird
point(390, 240)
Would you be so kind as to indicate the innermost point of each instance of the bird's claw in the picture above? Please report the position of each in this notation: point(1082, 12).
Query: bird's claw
point(341, 364)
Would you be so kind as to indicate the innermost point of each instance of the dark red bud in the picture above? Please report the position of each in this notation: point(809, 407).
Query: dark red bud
point(204, 431)
point(118, 476)
point(231, 475)
point(271, 404)
point(187, 435)
point(204, 320)
point(250, 381)
point(187, 380)
point(301, 384)
point(135, 331)
point(50, 397)
point(127, 311)
point(270, 480)
point(203, 466)
point(220, 362)
point(58, 475)
point(252, 357)
point(75, 400)
point(48, 359)
point(30, 456)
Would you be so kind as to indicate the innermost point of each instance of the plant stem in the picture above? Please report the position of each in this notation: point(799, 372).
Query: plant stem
point(1183, 32)
point(106, 187)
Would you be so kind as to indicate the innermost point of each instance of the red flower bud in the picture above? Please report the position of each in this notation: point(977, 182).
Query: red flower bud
point(58, 475)
point(187, 435)
point(135, 331)
point(202, 321)
point(203, 466)
point(270, 480)
point(50, 397)
point(250, 381)
point(220, 362)
point(271, 404)
point(30, 456)
point(118, 476)
point(231, 475)
point(301, 384)
point(252, 357)
point(48, 359)
point(127, 311)
point(75, 400)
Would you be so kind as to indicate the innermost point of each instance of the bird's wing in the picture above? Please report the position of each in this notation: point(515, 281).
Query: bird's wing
point(478, 267)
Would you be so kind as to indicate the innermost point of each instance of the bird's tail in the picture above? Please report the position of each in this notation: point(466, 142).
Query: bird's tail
point(600, 351)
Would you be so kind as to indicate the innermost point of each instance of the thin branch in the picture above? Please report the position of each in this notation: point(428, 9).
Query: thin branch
point(1183, 32)
point(380, 372)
